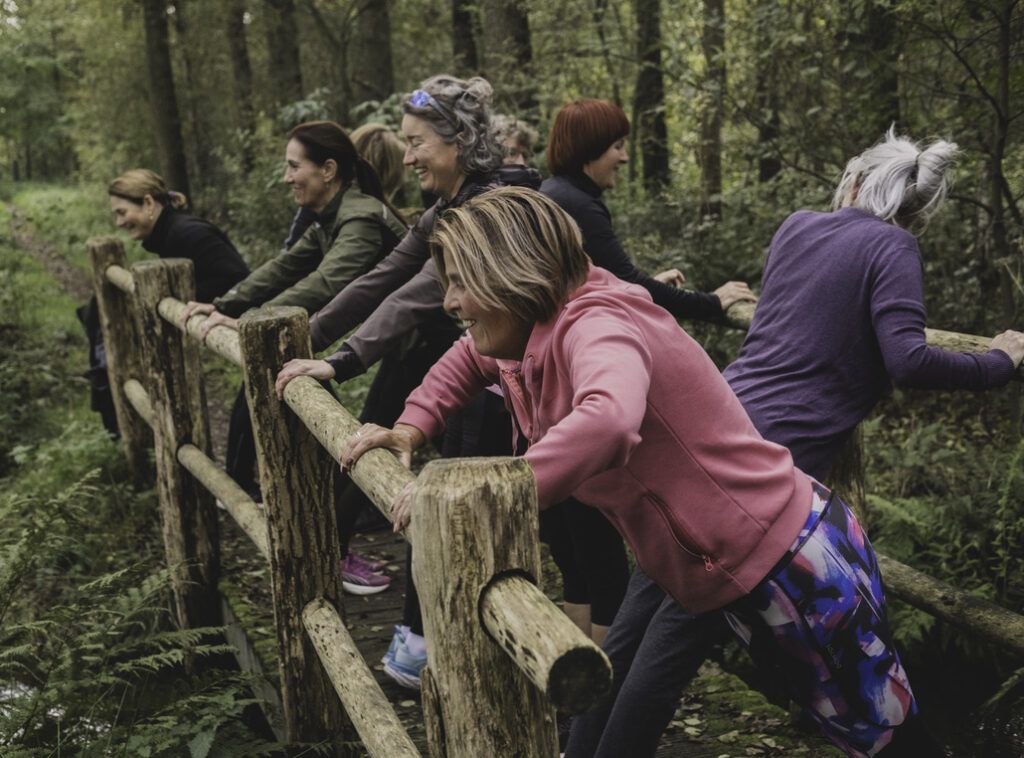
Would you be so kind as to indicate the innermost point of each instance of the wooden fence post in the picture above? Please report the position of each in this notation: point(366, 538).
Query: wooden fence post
point(174, 380)
point(297, 480)
point(117, 324)
point(475, 519)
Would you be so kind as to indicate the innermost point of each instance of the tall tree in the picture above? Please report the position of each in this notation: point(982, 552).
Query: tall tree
point(463, 37)
point(283, 59)
point(241, 68)
point(766, 93)
point(509, 53)
point(709, 153)
point(195, 95)
point(370, 67)
point(650, 96)
point(162, 99)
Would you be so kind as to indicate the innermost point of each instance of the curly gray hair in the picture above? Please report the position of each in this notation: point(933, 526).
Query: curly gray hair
point(462, 117)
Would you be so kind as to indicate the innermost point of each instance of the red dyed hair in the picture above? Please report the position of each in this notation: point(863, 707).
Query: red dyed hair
point(582, 132)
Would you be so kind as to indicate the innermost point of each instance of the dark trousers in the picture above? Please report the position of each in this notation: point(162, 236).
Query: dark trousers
point(655, 648)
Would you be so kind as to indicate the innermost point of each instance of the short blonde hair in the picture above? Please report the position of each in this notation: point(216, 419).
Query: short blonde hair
point(135, 184)
point(383, 150)
point(516, 251)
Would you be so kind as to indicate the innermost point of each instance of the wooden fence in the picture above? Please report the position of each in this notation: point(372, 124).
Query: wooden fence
point(501, 655)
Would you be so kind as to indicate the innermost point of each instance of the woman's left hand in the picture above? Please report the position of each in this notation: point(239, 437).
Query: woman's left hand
point(321, 370)
point(401, 441)
point(217, 319)
point(733, 292)
point(672, 277)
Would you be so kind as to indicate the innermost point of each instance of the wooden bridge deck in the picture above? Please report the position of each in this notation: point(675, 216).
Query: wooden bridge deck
point(719, 715)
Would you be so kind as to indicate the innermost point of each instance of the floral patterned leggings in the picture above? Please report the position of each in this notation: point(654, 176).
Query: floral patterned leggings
point(819, 620)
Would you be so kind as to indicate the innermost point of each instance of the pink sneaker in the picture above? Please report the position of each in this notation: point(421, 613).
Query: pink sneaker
point(375, 567)
point(356, 579)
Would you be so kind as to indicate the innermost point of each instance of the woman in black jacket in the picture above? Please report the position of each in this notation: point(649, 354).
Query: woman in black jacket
point(144, 207)
point(585, 150)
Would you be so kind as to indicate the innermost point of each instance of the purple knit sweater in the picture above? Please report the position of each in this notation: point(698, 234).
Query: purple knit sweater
point(841, 315)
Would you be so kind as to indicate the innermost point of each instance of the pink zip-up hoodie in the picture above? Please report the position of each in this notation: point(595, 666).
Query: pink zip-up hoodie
point(626, 412)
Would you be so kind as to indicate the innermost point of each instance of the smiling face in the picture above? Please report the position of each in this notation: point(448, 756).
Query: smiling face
point(496, 333)
point(138, 220)
point(312, 186)
point(602, 170)
point(435, 162)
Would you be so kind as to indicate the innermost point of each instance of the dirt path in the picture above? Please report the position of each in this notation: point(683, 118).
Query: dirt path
point(72, 279)
point(77, 283)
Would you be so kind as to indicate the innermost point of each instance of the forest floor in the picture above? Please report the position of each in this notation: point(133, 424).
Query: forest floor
point(719, 716)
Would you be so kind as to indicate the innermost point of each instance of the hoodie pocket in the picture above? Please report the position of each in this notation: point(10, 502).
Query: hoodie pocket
point(680, 533)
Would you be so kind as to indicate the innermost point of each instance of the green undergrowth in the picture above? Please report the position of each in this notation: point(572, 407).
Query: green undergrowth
point(90, 661)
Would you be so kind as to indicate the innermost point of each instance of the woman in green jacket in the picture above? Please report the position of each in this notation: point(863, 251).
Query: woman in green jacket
point(354, 228)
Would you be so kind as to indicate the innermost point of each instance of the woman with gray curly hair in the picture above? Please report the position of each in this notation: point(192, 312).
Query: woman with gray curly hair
point(452, 150)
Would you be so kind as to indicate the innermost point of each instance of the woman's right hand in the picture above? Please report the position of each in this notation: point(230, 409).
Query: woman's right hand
point(193, 308)
point(321, 370)
point(1011, 343)
point(733, 292)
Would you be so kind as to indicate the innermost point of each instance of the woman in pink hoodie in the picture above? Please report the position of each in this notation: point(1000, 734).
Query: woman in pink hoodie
point(622, 409)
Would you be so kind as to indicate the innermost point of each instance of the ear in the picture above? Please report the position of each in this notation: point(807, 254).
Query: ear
point(149, 204)
point(329, 170)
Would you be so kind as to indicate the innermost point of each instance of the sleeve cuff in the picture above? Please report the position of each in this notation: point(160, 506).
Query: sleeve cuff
point(425, 422)
point(346, 364)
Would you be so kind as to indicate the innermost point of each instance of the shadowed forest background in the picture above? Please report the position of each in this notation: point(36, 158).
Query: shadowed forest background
point(741, 112)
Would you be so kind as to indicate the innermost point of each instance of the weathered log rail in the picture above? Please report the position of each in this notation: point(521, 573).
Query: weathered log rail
point(500, 652)
point(477, 693)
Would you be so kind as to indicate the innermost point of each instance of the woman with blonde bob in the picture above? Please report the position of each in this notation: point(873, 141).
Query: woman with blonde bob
point(622, 409)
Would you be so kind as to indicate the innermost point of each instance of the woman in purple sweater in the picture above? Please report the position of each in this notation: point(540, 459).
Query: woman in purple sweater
point(619, 406)
point(841, 317)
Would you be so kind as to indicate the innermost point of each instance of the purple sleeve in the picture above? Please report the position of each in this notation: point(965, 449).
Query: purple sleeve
point(898, 316)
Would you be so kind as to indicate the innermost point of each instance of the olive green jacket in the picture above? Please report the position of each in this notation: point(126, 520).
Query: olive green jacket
point(349, 237)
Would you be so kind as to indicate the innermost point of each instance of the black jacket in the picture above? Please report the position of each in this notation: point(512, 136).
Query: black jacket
point(218, 266)
point(581, 198)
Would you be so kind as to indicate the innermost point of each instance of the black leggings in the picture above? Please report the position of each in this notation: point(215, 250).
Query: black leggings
point(586, 548)
point(590, 556)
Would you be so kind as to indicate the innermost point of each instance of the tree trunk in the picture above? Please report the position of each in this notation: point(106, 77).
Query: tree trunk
point(767, 96)
point(464, 25)
point(204, 161)
point(370, 66)
point(283, 51)
point(710, 150)
point(163, 102)
point(509, 54)
point(650, 96)
point(241, 70)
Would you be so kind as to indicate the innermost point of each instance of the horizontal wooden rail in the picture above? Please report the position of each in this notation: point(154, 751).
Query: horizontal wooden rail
point(367, 706)
point(741, 314)
point(973, 614)
point(121, 278)
point(237, 502)
point(521, 618)
point(139, 399)
point(378, 473)
point(209, 473)
point(222, 340)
